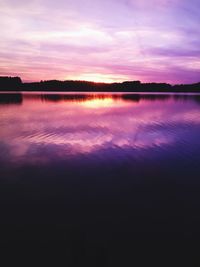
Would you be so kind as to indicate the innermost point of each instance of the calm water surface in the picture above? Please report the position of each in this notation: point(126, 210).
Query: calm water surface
point(92, 176)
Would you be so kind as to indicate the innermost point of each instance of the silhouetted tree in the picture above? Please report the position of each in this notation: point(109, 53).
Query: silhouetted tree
point(15, 84)
point(10, 83)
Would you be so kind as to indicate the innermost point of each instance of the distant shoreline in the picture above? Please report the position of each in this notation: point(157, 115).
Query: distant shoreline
point(8, 84)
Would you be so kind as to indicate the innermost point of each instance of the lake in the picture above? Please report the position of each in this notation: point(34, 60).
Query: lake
point(99, 179)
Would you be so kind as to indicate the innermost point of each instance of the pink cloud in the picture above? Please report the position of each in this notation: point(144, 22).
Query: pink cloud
point(109, 40)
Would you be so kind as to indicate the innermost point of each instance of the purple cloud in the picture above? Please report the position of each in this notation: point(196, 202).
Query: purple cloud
point(155, 40)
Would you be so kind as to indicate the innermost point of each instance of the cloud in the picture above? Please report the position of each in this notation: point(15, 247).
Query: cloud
point(100, 38)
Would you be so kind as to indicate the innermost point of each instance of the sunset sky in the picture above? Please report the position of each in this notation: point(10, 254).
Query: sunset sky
point(101, 40)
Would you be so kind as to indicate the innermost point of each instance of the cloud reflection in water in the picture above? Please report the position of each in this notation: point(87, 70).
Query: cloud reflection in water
point(47, 127)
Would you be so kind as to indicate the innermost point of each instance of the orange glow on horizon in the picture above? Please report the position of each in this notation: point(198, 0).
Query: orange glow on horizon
point(97, 78)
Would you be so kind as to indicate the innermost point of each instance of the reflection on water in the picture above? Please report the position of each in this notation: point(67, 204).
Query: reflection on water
point(14, 98)
point(94, 124)
point(107, 168)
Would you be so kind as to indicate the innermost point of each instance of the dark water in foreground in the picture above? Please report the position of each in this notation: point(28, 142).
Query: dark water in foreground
point(100, 179)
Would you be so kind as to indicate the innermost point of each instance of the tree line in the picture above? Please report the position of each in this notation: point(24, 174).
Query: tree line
point(16, 84)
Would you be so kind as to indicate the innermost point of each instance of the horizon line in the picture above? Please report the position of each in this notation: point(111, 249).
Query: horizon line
point(89, 81)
